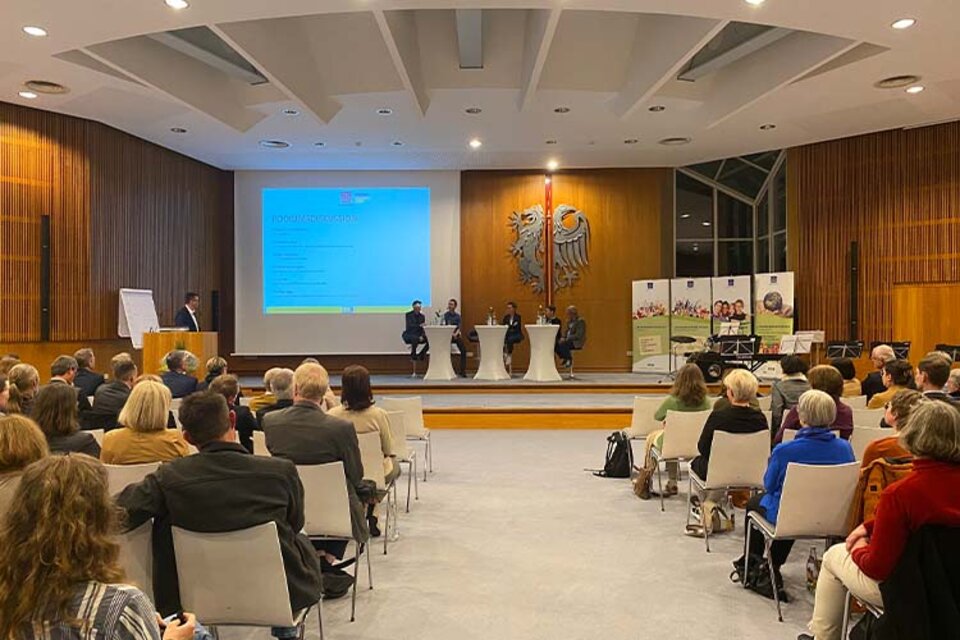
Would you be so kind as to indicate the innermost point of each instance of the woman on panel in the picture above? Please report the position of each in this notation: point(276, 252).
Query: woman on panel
point(927, 496)
point(59, 576)
point(55, 411)
point(785, 392)
point(21, 443)
point(24, 380)
point(143, 435)
point(851, 386)
point(829, 380)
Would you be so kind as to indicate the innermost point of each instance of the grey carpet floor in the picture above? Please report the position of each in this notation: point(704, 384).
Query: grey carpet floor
point(512, 539)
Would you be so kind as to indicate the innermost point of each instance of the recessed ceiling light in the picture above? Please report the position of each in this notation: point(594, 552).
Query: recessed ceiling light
point(755, 3)
point(552, 165)
point(178, 130)
point(904, 23)
point(29, 95)
point(551, 141)
point(384, 111)
point(319, 144)
point(896, 82)
point(397, 143)
point(177, 4)
point(684, 216)
point(274, 144)
point(768, 126)
point(631, 141)
point(290, 112)
point(45, 86)
point(476, 143)
point(673, 142)
point(473, 110)
point(917, 88)
point(705, 223)
point(37, 32)
point(562, 110)
point(657, 108)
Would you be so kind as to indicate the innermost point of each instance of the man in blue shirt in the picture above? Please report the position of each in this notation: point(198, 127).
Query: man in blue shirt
point(451, 317)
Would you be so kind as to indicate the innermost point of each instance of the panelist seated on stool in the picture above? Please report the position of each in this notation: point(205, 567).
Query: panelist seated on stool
point(573, 339)
point(413, 333)
point(514, 330)
point(452, 318)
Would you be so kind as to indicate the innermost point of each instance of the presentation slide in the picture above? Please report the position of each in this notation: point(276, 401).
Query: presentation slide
point(345, 250)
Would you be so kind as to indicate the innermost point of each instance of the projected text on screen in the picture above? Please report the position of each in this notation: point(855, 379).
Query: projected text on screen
point(345, 250)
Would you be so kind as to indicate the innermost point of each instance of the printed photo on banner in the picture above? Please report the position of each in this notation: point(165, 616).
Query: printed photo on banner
point(651, 325)
point(731, 307)
point(690, 315)
point(774, 308)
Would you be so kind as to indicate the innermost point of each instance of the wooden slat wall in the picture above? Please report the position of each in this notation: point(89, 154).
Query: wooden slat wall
point(897, 193)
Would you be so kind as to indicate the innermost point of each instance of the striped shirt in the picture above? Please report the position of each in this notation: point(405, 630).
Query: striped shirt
point(104, 612)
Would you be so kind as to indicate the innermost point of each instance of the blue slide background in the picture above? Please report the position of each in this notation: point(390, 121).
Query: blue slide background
point(345, 250)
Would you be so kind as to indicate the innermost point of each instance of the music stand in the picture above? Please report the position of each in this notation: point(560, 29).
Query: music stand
point(731, 328)
point(739, 346)
point(845, 349)
point(797, 344)
point(901, 348)
point(952, 349)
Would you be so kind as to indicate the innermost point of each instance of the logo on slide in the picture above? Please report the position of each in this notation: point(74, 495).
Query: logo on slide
point(570, 238)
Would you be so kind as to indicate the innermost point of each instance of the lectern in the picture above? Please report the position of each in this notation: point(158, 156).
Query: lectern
point(202, 344)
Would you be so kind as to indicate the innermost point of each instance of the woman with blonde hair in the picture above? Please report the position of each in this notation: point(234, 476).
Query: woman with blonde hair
point(216, 366)
point(59, 575)
point(21, 443)
point(143, 436)
point(24, 380)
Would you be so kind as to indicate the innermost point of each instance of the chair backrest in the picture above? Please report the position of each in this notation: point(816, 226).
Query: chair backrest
point(791, 434)
point(371, 457)
point(412, 409)
point(816, 499)
point(221, 590)
point(398, 435)
point(854, 402)
point(642, 421)
point(175, 410)
point(738, 459)
point(681, 431)
point(765, 402)
point(867, 417)
point(260, 444)
point(861, 438)
point(120, 476)
point(136, 557)
point(326, 503)
point(245, 401)
point(97, 435)
point(769, 416)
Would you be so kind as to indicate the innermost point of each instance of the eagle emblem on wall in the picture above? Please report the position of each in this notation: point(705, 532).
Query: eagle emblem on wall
point(570, 236)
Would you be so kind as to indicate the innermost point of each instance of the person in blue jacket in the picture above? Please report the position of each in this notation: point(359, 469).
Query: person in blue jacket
point(815, 443)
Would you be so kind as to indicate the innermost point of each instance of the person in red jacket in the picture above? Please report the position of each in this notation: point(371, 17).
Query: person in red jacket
point(927, 496)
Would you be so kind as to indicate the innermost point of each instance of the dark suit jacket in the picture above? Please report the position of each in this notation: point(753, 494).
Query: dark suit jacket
point(942, 397)
point(872, 385)
point(304, 434)
point(224, 488)
point(184, 319)
point(514, 328)
point(83, 404)
point(413, 326)
point(110, 398)
point(78, 442)
point(88, 381)
point(282, 403)
point(180, 384)
point(246, 425)
point(577, 333)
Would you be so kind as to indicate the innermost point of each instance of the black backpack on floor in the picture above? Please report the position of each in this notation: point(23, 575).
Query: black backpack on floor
point(619, 459)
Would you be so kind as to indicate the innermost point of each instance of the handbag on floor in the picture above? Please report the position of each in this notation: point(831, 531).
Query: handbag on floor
point(619, 459)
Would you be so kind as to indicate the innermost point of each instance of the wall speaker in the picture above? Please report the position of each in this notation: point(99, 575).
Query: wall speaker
point(854, 290)
point(214, 310)
point(45, 278)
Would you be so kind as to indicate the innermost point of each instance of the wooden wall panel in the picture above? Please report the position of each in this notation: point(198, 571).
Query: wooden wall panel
point(897, 193)
point(625, 207)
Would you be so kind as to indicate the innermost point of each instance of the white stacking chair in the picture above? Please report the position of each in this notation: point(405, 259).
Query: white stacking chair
point(867, 417)
point(136, 557)
point(681, 432)
point(765, 402)
point(175, 410)
point(413, 425)
point(97, 435)
point(404, 454)
point(224, 592)
point(120, 476)
point(642, 422)
point(244, 401)
point(738, 461)
point(769, 416)
point(854, 402)
point(371, 456)
point(326, 508)
point(790, 435)
point(863, 436)
point(260, 444)
point(814, 505)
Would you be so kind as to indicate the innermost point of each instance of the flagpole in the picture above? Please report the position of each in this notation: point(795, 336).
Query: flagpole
point(548, 236)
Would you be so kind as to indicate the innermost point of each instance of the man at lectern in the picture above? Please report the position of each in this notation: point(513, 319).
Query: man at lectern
point(413, 333)
point(187, 315)
point(452, 318)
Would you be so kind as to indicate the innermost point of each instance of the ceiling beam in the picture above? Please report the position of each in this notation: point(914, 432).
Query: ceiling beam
point(470, 38)
point(399, 30)
point(664, 44)
point(750, 79)
point(740, 51)
point(280, 50)
point(540, 29)
point(180, 77)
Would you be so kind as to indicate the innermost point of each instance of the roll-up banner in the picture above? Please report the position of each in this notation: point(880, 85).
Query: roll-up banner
point(731, 310)
point(774, 308)
point(689, 313)
point(651, 326)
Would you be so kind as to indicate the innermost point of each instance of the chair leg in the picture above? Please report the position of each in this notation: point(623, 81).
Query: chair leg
point(660, 486)
point(369, 566)
point(426, 458)
point(320, 616)
point(845, 625)
point(353, 598)
point(430, 452)
point(386, 524)
point(411, 473)
point(773, 577)
point(416, 487)
point(748, 523)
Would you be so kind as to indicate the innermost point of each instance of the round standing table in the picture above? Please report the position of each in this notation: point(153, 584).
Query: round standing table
point(542, 367)
point(440, 367)
point(491, 352)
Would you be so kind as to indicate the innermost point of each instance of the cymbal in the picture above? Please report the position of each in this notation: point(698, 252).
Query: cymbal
point(683, 339)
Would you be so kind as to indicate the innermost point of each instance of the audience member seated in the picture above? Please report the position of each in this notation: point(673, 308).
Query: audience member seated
point(897, 413)
point(55, 411)
point(413, 333)
point(330, 399)
point(873, 383)
point(688, 393)
point(304, 434)
point(60, 577)
point(785, 392)
point(110, 397)
point(514, 333)
point(63, 371)
point(87, 380)
point(281, 383)
point(180, 383)
point(222, 488)
point(851, 386)
point(24, 381)
point(216, 366)
point(4, 394)
point(266, 398)
point(897, 375)
point(721, 401)
point(452, 318)
point(932, 375)
point(21, 443)
point(827, 379)
point(357, 407)
point(144, 436)
point(928, 496)
point(574, 337)
point(815, 444)
point(7, 362)
point(245, 423)
point(953, 384)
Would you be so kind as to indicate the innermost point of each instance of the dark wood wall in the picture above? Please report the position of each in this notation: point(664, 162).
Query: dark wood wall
point(123, 213)
point(895, 193)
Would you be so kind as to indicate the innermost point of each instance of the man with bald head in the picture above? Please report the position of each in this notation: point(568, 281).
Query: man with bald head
point(873, 383)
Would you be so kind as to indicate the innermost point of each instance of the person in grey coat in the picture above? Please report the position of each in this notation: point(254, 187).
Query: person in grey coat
point(785, 393)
